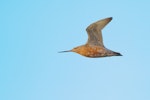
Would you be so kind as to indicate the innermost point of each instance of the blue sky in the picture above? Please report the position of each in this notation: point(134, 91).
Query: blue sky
point(33, 31)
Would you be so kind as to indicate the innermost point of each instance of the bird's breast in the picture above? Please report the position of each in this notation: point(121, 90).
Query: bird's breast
point(91, 51)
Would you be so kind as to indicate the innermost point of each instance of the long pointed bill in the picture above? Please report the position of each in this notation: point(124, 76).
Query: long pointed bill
point(64, 51)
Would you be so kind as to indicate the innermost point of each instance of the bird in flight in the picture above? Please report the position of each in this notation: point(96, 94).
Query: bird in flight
point(94, 47)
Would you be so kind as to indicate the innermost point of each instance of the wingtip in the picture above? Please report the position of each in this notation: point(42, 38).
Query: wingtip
point(110, 18)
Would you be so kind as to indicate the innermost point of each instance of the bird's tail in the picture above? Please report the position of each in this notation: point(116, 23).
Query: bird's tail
point(64, 51)
point(117, 54)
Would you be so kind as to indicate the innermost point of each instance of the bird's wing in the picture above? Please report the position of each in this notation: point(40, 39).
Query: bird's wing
point(94, 32)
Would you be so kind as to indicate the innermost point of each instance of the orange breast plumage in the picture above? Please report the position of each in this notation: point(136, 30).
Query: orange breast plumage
point(89, 51)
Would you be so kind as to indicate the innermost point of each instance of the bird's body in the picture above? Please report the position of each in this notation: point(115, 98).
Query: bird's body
point(94, 47)
point(93, 51)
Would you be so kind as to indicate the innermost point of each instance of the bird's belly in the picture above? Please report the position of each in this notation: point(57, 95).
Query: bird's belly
point(93, 51)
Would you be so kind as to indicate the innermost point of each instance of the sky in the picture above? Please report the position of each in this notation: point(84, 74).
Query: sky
point(32, 32)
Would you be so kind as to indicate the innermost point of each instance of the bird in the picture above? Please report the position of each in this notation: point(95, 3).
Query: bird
point(94, 47)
